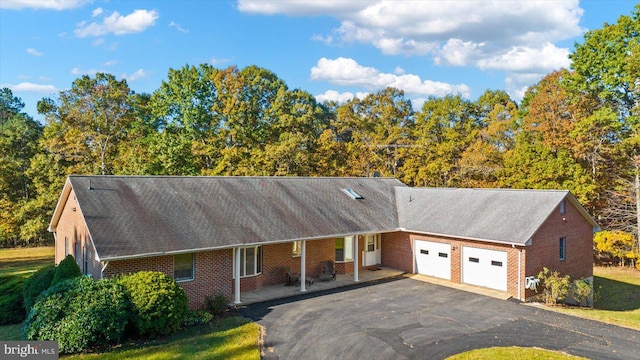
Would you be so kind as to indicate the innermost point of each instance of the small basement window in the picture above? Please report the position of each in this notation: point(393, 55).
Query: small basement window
point(353, 194)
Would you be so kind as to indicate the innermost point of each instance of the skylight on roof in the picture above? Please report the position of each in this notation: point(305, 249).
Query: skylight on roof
point(353, 194)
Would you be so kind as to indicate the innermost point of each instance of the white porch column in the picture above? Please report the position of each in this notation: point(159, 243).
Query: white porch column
point(303, 266)
point(236, 284)
point(356, 256)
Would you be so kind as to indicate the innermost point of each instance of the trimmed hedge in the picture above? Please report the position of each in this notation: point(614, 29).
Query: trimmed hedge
point(159, 304)
point(79, 313)
point(36, 284)
point(66, 269)
point(11, 305)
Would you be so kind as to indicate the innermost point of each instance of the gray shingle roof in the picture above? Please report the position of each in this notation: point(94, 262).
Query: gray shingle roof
point(135, 216)
point(508, 216)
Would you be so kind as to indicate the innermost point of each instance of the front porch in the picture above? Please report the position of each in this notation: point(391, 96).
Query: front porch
point(280, 291)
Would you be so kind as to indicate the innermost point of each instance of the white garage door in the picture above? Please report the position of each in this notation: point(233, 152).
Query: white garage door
point(484, 267)
point(433, 259)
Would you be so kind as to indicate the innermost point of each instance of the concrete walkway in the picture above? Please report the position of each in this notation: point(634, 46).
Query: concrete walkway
point(502, 295)
point(280, 291)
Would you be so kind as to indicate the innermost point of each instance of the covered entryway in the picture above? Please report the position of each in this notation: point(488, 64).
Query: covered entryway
point(484, 267)
point(433, 259)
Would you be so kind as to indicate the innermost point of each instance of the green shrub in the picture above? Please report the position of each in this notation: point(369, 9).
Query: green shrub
point(159, 304)
point(79, 313)
point(216, 304)
point(556, 287)
point(582, 291)
point(11, 305)
point(36, 284)
point(66, 269)
point(197, 317)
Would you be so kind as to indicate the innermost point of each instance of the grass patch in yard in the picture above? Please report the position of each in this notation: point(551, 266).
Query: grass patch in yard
point(512, 353)
point(25, 261)
point(619, 302)
point(228, 338)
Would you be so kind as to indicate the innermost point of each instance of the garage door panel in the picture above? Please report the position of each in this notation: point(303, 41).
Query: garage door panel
point(484, 267)
point(433, 259)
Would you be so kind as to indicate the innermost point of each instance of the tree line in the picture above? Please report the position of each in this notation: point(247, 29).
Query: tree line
point(576, 129)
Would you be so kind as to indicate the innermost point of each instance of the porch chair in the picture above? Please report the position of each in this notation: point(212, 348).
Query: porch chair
point(290, 278)
point(329, 272)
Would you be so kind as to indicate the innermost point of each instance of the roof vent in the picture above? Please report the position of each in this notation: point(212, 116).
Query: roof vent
point(353, 194)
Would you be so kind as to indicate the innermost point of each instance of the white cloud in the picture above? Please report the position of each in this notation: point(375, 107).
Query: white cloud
point(30, 87)
point(96, 12)
point(347, 72)
point(139, 74)
point(398, 70)
point(340, 98)
point(137, 21)
point(78, 71)
point(42, 4)
point(178, 27)
point(110, 63)
point(34, 52)
point(511, 36)
point(97, 42)
point(525, 59)
point(217, 61)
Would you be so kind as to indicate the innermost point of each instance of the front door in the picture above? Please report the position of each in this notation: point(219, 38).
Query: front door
point(372, 255)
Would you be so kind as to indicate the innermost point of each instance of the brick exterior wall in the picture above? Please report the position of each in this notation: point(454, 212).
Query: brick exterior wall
point(545, 249)
point(397, 251)
point(73, 228)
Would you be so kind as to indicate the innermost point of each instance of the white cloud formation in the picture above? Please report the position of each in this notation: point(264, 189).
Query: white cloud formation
point(96, 12)
point(516, 37)
point(42, 4)
point(110, 63)
point(217, 61)
point(138, 21)
point(34, 52)
point(139, 74)
point(78, 71)
point(178, 27)
point(30, 87)
point(97, 42)
point(347, 72)
point(340, 98)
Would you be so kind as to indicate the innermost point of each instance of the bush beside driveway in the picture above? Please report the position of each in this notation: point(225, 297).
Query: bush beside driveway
point(406, 318)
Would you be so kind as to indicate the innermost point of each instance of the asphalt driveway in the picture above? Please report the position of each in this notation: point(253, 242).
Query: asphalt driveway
point(406, 318)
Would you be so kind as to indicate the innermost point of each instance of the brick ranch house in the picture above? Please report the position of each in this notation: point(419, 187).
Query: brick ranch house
point(232, 234)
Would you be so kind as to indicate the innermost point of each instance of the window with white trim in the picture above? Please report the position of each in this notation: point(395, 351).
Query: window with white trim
point(563, 248)
point(250, 260)
point(296, 249)
point(183, 267)
point(344, 248)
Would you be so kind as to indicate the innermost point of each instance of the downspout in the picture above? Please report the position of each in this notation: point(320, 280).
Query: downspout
point(355, 258)
point(519, 273)
point(236, 284)
point(106, 263)
point(55, 246)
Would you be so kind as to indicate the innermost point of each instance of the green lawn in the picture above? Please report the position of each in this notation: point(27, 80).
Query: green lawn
point(25, 261)
point(230, 338)
point(619, 301)
point(512, 353)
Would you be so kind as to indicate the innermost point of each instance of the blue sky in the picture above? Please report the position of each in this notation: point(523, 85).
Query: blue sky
point(333, 49)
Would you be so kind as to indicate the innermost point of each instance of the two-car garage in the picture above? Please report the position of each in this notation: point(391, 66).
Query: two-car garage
point(481, 267)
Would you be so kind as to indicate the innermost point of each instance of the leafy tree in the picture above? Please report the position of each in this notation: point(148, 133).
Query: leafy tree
point(19, 135)
point(89, 121)
point(617, 244)
point(607, 68)
point(482, 163)
point(443, 130)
